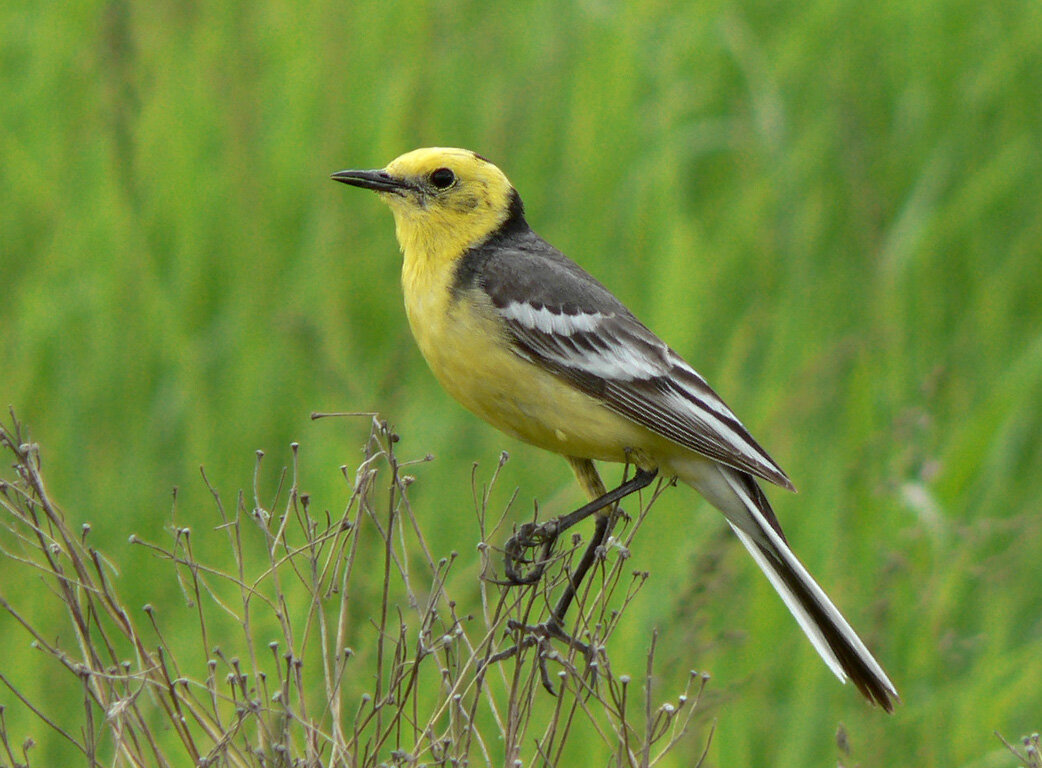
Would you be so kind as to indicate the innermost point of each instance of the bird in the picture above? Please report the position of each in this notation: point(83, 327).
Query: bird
point(526, 339)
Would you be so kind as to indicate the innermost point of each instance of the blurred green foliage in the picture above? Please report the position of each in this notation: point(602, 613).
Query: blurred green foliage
point(833, 209)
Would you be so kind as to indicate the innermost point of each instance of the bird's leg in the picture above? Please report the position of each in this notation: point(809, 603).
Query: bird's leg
point(602, 529)
point(544, 535)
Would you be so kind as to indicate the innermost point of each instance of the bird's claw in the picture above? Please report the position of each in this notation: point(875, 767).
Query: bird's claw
point(540, 635)
point(529, 536)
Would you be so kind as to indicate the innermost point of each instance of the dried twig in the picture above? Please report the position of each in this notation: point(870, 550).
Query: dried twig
point(357, 673)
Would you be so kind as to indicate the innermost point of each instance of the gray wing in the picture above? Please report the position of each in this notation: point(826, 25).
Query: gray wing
point(563, 319)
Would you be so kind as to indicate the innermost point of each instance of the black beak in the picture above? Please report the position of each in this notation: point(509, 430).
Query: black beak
point(378, 181)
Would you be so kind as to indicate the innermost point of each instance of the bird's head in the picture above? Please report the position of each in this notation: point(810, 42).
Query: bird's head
point(443, 200)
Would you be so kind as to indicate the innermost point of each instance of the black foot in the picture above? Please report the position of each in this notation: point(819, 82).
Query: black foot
point(540, 635)
point(520, 569)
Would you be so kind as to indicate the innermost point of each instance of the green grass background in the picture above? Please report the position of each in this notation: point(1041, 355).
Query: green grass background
point(832, 208)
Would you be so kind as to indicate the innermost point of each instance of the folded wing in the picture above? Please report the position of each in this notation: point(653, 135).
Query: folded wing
point(574, 327)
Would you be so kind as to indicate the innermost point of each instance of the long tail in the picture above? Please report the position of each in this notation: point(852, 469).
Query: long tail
point(737, 495)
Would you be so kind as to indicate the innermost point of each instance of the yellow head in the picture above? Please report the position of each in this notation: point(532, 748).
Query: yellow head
point(444, 200)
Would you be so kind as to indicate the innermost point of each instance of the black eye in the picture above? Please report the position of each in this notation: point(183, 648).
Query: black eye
point(442, 178)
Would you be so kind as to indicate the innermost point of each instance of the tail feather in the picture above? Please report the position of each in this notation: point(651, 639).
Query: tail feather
point(738, 496)
point(829, 633)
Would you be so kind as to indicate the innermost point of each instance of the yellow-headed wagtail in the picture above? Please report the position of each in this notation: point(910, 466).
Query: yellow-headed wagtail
point(526, 339)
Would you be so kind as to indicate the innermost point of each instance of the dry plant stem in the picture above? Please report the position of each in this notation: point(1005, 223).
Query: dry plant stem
point(1032, 755)
point(418, 689)
point(88, 599)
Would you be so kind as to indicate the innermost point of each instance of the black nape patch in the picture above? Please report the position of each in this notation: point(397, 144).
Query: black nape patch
point(515, 214)
point(482, 158)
